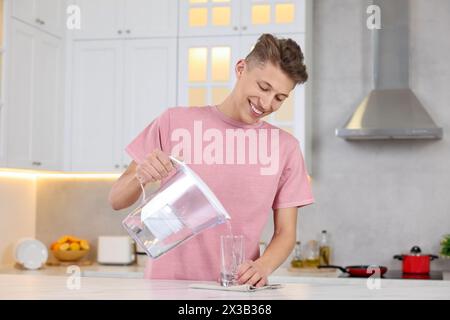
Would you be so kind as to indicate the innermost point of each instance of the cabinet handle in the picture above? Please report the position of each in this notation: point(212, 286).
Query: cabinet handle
point(117, 166)
point(119, 31)
point(244, 28)
point(235, 28)
point(125, 166)
point(36, 163)
point(38, 21)
point(128, 31)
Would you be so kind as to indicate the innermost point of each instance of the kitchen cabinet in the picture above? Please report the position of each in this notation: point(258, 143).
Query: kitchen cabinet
point(117, 19)
point(235, 17)
point(207, 75)
point(33, 110)
point(206, 69)
point(46, 15)
point(118, 88)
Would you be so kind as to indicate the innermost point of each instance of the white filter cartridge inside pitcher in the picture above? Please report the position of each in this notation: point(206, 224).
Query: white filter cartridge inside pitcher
point(163, 223)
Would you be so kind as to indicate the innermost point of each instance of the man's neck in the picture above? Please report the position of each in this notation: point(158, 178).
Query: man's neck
point(229, 108)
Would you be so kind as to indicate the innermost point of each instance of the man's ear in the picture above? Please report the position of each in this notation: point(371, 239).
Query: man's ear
point(240, 67)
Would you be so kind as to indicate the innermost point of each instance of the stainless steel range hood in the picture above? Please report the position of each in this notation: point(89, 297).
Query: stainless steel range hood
point(391, 110)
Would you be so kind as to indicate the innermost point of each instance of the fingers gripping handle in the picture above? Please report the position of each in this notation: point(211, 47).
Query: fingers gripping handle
point(174, 161)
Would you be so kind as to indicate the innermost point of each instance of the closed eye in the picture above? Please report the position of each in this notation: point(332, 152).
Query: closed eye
point(263, 89)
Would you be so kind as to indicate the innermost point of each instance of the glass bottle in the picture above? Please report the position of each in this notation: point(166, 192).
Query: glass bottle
point(324, 249)
point(311, 254)
point(297, 259)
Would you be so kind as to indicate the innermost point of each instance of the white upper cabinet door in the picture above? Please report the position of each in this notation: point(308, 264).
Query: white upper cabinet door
point(25, 10)
point(47, 108)
point(96, 105)
point(206, 69)
point(150, 86)
point(50, 16)
point(150, 18)
point(100, 19)
point(273, 16)
point(209, 17)
point(33, 126)
point(2, 138)
point(44, 14)
point(21, 95)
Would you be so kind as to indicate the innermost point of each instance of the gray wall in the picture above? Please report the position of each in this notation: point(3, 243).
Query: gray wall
point(378, 198)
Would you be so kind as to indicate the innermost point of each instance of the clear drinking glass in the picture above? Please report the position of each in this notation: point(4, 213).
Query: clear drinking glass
point(232, 254)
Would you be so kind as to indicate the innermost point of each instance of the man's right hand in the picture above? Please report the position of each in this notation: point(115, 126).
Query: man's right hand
point(155, 167)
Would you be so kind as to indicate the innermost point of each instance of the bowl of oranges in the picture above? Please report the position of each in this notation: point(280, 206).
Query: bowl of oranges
point(70, 248)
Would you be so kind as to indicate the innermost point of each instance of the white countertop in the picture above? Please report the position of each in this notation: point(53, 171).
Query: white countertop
point(281, 275)
point(23, 286)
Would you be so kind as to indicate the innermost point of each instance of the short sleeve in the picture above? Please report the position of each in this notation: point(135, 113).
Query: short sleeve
point(154, 136)
point(294, 189)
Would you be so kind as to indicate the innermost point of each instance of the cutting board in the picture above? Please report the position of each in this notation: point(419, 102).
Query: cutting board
point(69, 263)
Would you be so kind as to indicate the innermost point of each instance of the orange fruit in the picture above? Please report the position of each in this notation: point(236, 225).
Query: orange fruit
point(63, 239)
point(54, 246)
point(73, 239)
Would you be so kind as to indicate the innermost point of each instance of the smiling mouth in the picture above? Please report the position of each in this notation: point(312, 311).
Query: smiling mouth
point(255, 110)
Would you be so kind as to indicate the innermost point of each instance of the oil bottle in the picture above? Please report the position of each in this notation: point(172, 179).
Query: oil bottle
point(324, 249)
point(297, 259)
point(312, 254)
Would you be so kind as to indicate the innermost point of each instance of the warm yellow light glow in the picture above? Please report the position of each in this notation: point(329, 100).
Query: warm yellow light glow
point(197, 97)
point(221, 16)
point(198, 58)
point(218, 1)
point(261, 14)
point(286, 111)
point(220, 63)
point(198, 1)
point(31, 174)
point(356, 120)
point(284, 13)
point(198, 17)
point(219, 95)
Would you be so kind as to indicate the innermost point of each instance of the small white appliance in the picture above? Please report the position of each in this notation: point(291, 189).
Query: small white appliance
point(115, 250)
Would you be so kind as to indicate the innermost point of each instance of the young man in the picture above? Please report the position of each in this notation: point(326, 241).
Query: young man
point(250, 165)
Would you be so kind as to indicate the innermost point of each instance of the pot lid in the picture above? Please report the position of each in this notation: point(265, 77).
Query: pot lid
point(415, 251)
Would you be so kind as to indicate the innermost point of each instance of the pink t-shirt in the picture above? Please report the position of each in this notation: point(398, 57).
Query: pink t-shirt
point(248, 189)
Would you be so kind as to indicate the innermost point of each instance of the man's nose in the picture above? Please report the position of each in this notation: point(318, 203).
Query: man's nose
point(266, 103)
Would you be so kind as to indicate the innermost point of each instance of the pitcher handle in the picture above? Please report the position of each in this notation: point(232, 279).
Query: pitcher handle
point(175, 161)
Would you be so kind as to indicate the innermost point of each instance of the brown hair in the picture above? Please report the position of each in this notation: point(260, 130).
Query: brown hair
point(285, 53)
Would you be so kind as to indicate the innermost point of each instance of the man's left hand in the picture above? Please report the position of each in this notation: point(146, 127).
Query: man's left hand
point(253, 273)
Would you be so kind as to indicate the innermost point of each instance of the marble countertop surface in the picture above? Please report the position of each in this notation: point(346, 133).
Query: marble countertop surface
point(134, 271)
point(40, 286)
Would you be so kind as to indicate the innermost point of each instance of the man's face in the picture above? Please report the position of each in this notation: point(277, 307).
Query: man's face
point(260, 90)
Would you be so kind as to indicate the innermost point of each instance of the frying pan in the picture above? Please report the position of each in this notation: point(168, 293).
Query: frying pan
point(363, 271)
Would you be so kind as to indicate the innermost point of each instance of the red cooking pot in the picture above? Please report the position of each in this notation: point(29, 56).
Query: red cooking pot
point(415, 261)
point(359, 271)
